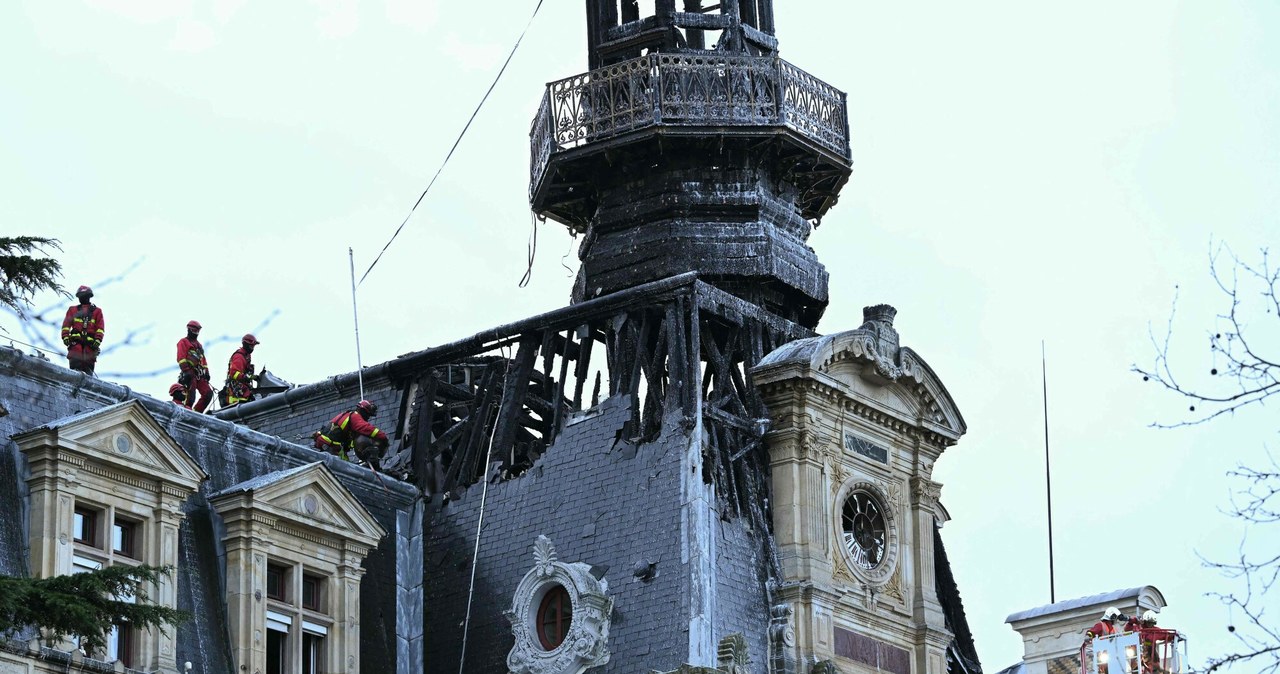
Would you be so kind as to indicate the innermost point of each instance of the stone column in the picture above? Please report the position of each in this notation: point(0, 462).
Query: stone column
point(49, 534)
point(344, 644)
point(246, 595)
point(167, 518)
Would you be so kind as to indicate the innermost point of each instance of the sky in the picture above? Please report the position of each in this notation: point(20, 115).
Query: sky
point(1023, 172)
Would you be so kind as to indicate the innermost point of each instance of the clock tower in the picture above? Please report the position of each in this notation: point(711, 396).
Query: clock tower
point(858, 422)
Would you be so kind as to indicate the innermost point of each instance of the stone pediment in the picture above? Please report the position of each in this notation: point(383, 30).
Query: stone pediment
point(869, 365)
point(123, 436)
point(309, 496)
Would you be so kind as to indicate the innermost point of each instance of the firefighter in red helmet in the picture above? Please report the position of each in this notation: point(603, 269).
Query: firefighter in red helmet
point(82, 330)
point(350, 433)
point(194, 368)
point(178, 393)
point(240, 375)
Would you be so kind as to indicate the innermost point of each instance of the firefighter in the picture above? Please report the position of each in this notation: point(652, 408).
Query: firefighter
point(195, 369)
point(350, 434)
point(179, 394)
point(240, 376)
point(82, 332)
point(1105, 626)
point(1150, 655)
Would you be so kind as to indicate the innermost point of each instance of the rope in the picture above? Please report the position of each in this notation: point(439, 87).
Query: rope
point(447, 157)
point(37, 348)
point(484, 493)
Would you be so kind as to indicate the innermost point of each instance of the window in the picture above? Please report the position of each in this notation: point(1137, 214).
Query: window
point(296, 620)
point(276, 575)
point(120, 644)
point(312, 653)
point(555, 614)
point(311, 592)
point(124, 537)
point(277, 653)
point(85, 527)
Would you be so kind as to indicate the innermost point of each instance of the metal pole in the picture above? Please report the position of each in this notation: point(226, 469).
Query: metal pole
point(1048, 490)
point(355, 315)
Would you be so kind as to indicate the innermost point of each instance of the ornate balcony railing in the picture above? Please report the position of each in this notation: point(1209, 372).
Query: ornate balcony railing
point(686, 90)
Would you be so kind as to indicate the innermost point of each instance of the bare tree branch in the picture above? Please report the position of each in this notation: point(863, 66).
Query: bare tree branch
point(1244, 372)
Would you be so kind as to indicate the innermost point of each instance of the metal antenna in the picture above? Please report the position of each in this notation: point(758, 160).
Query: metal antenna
point(355, 315)
point(1048, 488)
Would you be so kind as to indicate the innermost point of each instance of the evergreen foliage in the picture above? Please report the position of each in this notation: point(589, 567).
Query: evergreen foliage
point(24, 270)
point(85, 605)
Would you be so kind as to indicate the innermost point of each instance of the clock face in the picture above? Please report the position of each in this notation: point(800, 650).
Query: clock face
point(864, 530)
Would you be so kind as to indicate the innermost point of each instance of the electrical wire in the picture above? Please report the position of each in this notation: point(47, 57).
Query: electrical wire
point(448, 156)
point(532, 250)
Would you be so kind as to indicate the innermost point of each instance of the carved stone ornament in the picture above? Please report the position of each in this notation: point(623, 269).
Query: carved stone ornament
point(926, 492)
point(586, 644)
point(824, 667)
point(894, 587)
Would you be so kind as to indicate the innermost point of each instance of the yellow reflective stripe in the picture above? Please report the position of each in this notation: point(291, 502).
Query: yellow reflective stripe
point(344, 423)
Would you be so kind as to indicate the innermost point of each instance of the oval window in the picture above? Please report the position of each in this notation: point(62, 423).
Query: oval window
point(555, 614)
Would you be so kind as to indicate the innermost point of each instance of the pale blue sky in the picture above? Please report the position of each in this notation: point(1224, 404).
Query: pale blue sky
point(1023, 171)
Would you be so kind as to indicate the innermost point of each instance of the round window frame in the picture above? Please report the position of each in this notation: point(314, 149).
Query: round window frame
point(888, 565)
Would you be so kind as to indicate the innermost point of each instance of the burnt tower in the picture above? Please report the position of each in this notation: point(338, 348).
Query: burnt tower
point(691, 146)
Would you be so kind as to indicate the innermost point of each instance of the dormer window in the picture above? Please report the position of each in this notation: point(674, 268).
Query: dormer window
point(307, 570)
point(109, 486)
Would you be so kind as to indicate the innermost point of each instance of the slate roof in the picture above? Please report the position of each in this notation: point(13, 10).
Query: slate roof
point(63, 422)
point(953, 607)
point(263, 480)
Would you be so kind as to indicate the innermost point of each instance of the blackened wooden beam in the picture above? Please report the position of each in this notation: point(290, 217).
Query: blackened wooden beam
point(582, 369)
point(557, 399)
point(514, 390)
point(422, 439)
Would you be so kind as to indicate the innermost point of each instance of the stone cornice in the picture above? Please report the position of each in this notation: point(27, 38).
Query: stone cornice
point(839, 398)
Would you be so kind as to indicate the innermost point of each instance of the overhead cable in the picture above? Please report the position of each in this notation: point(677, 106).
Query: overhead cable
point(475, 112)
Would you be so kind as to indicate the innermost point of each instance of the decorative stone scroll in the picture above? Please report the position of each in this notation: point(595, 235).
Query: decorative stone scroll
point(586, 644)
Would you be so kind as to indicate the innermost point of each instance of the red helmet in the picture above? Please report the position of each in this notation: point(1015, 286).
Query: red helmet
point(84, 290)
point(250, 339)
point(176, 389)
point(367, 407)
point(193, 326)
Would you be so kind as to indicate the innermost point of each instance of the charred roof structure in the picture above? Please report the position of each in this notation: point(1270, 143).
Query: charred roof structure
point(623, 449)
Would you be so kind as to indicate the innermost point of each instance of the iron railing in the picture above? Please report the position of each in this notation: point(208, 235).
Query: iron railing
point(686, 90)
